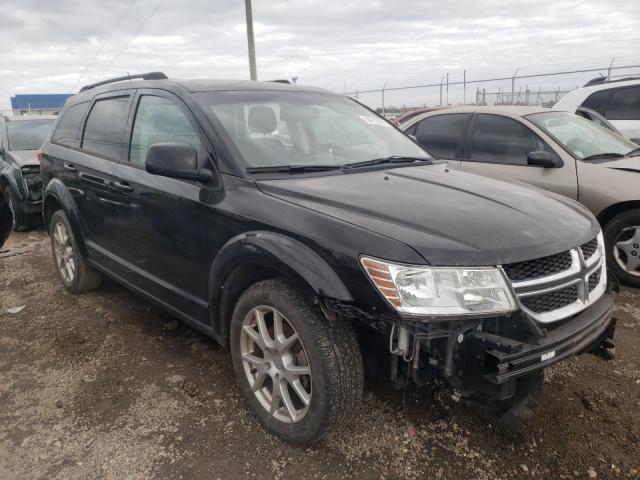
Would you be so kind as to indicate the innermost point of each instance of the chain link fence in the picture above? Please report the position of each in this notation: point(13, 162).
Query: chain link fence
point(514, 89)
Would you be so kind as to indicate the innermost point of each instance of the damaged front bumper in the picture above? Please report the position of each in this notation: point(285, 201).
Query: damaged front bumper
point(491, 363)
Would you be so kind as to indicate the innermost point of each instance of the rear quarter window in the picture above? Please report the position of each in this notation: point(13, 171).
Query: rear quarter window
point(104, 130)
point(597, 101)
point(624, 104)
point(69, 129)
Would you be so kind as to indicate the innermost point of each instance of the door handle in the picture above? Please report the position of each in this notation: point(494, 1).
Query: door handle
point(121, 186)
point(69, 166)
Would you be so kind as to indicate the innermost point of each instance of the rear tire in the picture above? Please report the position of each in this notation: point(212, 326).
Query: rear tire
point(617, 231)
point(327, 349)
point(70, 265)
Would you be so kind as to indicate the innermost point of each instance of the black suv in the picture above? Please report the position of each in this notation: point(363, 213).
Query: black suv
point(317, 242)
point(20, 183)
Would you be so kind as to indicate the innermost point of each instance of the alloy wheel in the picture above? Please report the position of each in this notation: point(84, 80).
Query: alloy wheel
point(276, 364)
point(63, 252)
point(626, 250)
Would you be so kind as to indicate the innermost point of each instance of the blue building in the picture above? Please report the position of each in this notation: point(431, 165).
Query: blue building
point(38, 104)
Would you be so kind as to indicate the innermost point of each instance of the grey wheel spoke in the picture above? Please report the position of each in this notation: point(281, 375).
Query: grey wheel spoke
point(58, 234)
point(255, 336)
point(285, 344)
point(275, 400)
point(261, 377)
point(69, 271)
point(286, 400)
point(262, 328)
point(295, 370)
point(300, 391)
point(253, 360)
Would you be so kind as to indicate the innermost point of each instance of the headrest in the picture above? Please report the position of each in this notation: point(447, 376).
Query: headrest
point(262, 119)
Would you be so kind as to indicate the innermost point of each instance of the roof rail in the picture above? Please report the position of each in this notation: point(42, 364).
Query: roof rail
point(602, 80)
point(281, 80)
point(143, 76)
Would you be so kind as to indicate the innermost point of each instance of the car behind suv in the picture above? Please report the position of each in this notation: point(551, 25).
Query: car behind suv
point(317, 242)
point(20, 183)
point(557, 151)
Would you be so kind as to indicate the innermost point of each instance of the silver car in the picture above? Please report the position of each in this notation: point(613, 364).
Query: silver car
point(553, 150)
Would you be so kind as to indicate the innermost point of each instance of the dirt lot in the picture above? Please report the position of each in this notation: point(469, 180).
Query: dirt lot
point(103, 385)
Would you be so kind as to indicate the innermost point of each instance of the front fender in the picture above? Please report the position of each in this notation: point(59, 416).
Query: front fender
point(11, 176)
point(56, 195)
point(276, 251)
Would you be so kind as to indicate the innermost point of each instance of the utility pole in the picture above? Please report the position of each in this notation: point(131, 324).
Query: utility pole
point(252, 47)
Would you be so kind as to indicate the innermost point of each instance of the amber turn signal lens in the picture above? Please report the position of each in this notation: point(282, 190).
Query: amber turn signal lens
point(379, 274)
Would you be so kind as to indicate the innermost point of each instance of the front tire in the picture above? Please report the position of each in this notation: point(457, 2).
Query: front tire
point(622, 238)
point(70, 265)
point(301, 373)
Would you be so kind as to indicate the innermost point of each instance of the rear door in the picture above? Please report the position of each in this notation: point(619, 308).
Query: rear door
point(498, 146)
point(160, 242)
point(103, 144)
point(442, 135)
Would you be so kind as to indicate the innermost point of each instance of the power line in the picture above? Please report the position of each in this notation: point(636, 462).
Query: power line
point(153, 12)
point(86, 69)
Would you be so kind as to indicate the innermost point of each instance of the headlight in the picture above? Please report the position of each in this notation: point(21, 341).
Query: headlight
point(423, 290)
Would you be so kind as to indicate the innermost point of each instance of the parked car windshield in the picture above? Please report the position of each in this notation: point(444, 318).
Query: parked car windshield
point(583, 138)
point(272, 128)
point(27, 134)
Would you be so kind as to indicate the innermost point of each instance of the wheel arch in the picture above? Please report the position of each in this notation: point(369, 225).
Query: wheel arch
point(612, 210)
point(251, 257)
point(57, 197)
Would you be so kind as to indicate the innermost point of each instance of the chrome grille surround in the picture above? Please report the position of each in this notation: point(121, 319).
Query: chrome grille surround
point(579, 274)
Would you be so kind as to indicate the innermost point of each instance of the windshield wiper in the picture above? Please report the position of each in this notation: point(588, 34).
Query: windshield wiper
point(633, 153)
point(292, 168)
point(391, 159)
point(598, 156)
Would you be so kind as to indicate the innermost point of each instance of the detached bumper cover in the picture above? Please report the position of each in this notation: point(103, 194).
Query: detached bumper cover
point(503, 359)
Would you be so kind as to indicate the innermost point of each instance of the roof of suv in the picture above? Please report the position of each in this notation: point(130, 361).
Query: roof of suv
point(194, 85)
point(575, 98)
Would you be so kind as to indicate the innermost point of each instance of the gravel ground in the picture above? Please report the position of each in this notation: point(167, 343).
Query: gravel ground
point(103, 385)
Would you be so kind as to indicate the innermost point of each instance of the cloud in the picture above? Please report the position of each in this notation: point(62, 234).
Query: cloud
point(47, 45)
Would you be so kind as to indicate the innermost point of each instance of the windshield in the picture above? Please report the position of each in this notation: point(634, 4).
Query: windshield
point(583, 138)
point(275, 128)
point(27, 134)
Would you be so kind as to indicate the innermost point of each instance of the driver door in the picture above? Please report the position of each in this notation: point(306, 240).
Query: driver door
point(498, 146)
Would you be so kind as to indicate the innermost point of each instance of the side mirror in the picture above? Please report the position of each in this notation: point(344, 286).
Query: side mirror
point(635, 140)
point(175, 160)
point(541, 159)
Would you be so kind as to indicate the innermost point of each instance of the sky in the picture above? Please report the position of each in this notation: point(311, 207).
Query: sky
point(56, 46)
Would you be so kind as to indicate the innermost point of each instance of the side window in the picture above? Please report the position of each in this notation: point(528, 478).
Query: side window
point(104, 131)
point(159, 120)
point(69, 129)
point(439, 134)
point(597, 101)
point(624, 104)
point(498, 139)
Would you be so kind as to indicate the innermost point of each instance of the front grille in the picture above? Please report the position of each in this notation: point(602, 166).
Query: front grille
point(589, 248)
point(594, 279)
point(554, 300)
point(538, 268)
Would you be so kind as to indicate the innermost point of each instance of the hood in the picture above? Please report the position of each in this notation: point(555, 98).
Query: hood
point(24, 157)
point(449, 217)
